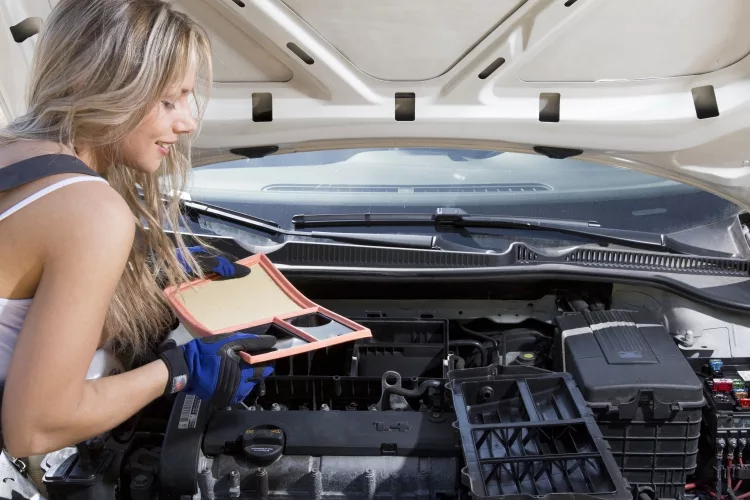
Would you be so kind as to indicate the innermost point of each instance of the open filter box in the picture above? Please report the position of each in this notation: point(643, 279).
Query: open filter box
point(263, 303)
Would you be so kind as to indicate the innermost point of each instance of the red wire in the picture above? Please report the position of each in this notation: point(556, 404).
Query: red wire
point(739, 483)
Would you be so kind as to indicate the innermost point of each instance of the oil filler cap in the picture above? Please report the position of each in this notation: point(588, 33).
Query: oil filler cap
point(263, 444)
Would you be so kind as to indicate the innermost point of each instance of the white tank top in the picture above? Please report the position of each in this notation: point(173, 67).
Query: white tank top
point(13, 311)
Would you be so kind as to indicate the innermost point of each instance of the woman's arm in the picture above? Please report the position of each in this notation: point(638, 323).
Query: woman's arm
point(83, 241)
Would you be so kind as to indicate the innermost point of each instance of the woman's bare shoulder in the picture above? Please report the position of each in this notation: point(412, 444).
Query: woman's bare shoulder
point(78, 221)
point(83, 213)
point(23, 150)
point(97, 201)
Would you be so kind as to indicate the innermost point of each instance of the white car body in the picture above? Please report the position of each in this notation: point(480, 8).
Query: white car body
point(633, 77)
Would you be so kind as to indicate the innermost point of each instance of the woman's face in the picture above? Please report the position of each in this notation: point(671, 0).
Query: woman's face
point(150, 142)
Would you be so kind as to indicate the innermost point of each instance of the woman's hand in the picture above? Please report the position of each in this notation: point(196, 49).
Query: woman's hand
point(211, 263)
point(210, 367)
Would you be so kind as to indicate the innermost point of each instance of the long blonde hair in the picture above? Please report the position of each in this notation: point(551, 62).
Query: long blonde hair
point(99, 68)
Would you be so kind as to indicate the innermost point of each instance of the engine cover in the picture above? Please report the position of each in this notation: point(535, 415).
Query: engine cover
point(342, 433)
point(308, 454)
point(335, 477)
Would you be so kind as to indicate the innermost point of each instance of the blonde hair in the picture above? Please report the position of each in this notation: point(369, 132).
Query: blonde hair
point(99, 67)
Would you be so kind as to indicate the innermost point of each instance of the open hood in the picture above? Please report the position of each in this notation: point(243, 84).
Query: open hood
point(657, 86)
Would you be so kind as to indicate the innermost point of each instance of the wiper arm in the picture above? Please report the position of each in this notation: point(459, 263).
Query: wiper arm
point(458, 218)
point(270, 227)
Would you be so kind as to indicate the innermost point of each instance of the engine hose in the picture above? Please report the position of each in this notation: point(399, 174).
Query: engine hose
point(486, 338)
point(480, 335)
point(413, 393)
point(474, 344)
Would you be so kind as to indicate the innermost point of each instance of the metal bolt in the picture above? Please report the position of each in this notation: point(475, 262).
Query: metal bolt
point(140, 481)
point(324, 407)
point(373, 407)
point(234, 483)
point(275, 407)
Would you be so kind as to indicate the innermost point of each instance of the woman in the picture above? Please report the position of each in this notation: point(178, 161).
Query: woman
point(109, 109)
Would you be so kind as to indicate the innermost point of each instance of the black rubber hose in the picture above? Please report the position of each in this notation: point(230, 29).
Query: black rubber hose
point(474, 344)
point(487, 338)
point(482, 336)
point(413, 393)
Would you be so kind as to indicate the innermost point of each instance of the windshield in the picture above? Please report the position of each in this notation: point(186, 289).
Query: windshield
point(419, 180)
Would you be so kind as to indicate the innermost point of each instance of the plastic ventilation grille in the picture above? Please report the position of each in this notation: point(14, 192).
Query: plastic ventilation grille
point(483, 188)
point(325, 255)
point(329, 188)
point(525, 255)
point(660, 262)
point(415, 189)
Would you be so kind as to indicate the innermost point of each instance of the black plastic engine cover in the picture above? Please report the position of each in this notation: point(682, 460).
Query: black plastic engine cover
point(339, 433)
point(618, 356)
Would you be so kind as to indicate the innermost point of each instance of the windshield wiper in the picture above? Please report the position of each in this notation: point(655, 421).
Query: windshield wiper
point(458, 218)
point(248, 221)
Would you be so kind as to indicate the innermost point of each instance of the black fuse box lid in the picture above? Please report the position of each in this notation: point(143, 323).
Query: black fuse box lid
point(627, 358)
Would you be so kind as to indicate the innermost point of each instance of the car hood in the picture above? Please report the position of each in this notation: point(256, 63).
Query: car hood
point(662, 87)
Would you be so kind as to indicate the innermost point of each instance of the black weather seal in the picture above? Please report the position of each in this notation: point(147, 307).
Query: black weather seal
point(557, 153)
point(704, 100)
point(26, 29)
point(262, 107)
point(255, 152)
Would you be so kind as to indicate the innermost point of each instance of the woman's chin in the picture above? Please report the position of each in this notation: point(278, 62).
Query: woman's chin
point(145, 166)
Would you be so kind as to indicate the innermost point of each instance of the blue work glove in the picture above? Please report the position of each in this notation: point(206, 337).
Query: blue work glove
point(211, 368)
point(210, 263)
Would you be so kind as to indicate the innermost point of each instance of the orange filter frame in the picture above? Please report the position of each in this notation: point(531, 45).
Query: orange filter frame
point(265, 297)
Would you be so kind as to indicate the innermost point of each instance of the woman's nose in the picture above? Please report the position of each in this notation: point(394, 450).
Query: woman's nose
point(186, 124)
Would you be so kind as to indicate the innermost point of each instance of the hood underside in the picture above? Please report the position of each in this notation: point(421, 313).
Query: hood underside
point(661, 86)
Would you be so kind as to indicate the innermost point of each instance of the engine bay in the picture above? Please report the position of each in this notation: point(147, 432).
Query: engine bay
point(616, 392)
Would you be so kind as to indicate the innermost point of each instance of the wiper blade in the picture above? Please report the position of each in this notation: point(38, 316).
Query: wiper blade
point(458, 218)
point(397, 240)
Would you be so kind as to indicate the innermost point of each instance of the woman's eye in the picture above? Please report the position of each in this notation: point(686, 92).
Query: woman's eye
point(168, 105)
